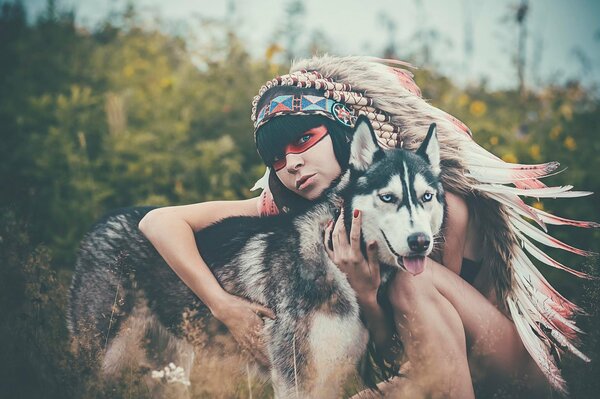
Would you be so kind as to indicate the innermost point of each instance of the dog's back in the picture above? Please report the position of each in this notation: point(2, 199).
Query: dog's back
point(124, 294)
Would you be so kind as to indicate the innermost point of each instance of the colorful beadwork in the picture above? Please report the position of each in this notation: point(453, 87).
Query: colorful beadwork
point(305, 105)
point(353, 101)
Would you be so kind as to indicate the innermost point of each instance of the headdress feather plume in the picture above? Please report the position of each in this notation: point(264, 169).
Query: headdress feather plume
point(388, 95)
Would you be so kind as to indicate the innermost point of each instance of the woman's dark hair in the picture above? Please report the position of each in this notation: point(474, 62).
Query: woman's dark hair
point(273, 136)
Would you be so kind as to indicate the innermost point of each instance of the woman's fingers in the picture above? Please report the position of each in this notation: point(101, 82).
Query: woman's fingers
point(263, 311)
point(251, 339)
point(258, 344)
point(245, 322)
point(257, 348)
point(339, 233)
point(355, 230)
point(261, 349)
point(327, 239)
point(372, 259)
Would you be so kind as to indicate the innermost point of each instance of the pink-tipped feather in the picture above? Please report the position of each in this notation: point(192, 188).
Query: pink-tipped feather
point(546, 239)
point(544, 258)
point(557, 220)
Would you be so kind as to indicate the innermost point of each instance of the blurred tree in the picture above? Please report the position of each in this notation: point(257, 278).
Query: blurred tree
point(123, 117)
point(293, 28)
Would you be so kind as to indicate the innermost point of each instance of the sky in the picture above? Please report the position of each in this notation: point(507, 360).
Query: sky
point(563, 36)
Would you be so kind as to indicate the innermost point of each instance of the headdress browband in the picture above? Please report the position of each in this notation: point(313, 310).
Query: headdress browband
point(303, 104)
point(339, 102)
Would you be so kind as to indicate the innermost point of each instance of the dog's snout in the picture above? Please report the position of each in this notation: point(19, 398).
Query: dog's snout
point(418, 242)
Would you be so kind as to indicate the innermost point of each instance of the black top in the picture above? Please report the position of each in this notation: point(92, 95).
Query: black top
point(469, 270)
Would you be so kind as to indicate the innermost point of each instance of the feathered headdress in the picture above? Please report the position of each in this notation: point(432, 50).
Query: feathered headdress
point(390, 98)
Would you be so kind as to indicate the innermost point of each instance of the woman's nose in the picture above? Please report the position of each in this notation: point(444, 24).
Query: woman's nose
point(293, 161)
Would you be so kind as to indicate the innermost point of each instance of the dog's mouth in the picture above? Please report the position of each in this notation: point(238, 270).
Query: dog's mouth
point(414, 264)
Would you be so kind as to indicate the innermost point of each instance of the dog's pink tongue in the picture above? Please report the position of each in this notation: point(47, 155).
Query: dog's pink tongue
point(414, 264)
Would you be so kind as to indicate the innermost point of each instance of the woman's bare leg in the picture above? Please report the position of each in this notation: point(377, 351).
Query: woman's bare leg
point(426, 307)
point(498, 360)
point(433, 336)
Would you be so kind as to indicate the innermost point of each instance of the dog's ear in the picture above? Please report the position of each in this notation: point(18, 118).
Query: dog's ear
point(364, 149)
point(430, 149)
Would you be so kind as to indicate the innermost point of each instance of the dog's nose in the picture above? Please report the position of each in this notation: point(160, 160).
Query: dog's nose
point(418, 242)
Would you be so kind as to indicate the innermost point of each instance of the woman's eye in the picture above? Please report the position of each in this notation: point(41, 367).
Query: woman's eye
point(387, 198)
point(427, 197)
point(303, 139)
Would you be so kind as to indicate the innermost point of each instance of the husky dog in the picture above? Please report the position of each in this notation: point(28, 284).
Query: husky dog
point(124, 295)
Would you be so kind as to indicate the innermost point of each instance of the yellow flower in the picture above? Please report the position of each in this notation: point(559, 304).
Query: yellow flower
point(510, 158)
point(494, 140)
point(555, 132)
point(179, 187)
point(538, 205)
point(566, 111)
point(534, 151)
point(478, 108)
point(463, 100)
point(166, 83)
point(570, 143)
point(128, 71)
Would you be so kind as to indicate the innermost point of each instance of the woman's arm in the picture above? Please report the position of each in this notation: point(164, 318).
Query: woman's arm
point(455, 232)
point(171, 231)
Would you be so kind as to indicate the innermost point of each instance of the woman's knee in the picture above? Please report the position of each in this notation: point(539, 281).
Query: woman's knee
point(418, 306)
point(406, 292)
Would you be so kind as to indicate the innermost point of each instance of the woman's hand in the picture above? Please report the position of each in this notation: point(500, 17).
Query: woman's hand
point(363, 274)
point(244, 319)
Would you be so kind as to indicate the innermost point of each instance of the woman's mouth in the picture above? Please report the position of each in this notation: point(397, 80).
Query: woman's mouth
point(304, 181)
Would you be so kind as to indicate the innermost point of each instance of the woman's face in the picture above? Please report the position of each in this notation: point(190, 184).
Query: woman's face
point(308, 165)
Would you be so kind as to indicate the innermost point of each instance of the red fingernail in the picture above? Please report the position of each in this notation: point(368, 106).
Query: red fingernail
point(329, 223)
point(356, 213)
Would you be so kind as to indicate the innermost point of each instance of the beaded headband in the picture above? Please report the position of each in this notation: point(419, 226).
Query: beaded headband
point(297, 104)
point(339, 102)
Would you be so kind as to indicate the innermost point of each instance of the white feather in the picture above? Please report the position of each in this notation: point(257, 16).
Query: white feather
point(547, 192)
point(544, 238)
point(557, 220)
point(514, 202)
point(544, 258)
point(534, 345)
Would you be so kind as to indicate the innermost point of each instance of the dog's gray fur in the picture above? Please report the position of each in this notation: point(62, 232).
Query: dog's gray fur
point(131, 307)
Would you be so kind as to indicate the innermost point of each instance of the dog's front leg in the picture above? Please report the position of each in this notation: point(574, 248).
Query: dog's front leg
point(313, 356)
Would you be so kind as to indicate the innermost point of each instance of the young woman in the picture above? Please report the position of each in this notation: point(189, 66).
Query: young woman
point(456, 336)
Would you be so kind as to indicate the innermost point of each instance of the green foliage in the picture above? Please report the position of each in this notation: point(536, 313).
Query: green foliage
point(34, 339)
point(37, 360)
point(119, 117)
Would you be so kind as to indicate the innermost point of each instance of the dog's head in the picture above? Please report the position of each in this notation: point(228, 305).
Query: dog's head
point(399, 194)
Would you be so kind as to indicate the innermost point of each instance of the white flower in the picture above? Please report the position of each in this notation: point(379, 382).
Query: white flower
point(172, 374)
point(158, 375)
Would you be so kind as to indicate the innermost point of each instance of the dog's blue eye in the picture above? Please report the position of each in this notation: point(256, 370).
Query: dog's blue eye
point(387, 198)
point(427, 197)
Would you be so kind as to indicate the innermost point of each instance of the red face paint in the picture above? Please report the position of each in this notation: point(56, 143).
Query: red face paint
point(304, 142)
